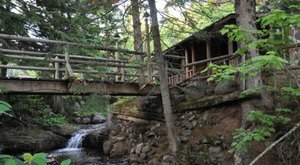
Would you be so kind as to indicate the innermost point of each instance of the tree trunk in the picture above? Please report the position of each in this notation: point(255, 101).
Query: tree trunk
point(245, 10)
point(137, 36)
point(164, 88)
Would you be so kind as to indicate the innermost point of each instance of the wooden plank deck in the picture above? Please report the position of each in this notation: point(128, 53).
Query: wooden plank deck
point(69, 87)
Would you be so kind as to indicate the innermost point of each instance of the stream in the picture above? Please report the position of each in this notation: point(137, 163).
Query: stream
point(79, 155)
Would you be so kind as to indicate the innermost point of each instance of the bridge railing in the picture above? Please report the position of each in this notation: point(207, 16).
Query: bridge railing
point(114, 68)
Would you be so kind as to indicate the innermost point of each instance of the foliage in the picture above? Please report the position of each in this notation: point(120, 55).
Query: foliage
point(28, 159)
point(272, 42)
point(35, 110)
point(94, 105)
point(123, 100)
point(244, 138)
point(4, 108)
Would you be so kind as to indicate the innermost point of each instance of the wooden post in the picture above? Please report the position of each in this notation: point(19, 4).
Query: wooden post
point(117, 57)
point(69, 71)
point(233, 62)
point(186, 54)
point(148, 51)
point(193, 59)
point(56, 65)
point(208, 54)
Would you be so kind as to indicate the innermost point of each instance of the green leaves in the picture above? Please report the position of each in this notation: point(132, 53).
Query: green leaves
point(29, 159)
point(66, 162)
point(4, 108)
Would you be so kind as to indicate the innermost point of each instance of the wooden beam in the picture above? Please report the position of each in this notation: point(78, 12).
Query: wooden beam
point(81, 57)
point(209, 60)
point(97, 47)
point(65, 87)
point(173, 56)
point(193, 58)
point(186, 55)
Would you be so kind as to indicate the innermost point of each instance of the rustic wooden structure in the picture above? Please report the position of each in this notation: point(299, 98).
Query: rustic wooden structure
point(209, 46)
point(195, 52)
point(66, 71)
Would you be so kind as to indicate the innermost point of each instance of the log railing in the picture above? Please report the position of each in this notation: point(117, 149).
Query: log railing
point(70, 65)
point(190, 74)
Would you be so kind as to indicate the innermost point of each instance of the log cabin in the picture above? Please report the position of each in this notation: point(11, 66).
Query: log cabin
point(188, 58)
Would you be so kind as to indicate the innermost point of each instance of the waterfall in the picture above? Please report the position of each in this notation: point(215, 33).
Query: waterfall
point(76, 140)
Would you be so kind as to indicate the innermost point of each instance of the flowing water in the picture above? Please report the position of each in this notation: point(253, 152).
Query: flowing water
point(79, 155)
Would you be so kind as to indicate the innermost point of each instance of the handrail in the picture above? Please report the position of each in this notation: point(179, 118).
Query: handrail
point(14, 37)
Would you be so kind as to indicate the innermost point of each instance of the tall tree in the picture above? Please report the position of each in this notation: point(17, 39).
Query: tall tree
point(246, 17)
point(164, 86)
point(137, 34)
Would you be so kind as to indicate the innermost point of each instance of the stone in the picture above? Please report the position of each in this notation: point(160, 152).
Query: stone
point(194, 123)
point(184, 138)
point(86, 120)
point(214, 149)
point(30, 140)
point(154, 161)
point(146, 149)
point(226, 87)
point(98, 119)
point(107, 146)
point(143, 156)
point(139, 147)
point(77, 120)
point(192, 118)
point(187, 125)
point(186, 132)
point(77, 106)
point(95, 139)
point(119, 149)
point(169, 159)
point(135, 158)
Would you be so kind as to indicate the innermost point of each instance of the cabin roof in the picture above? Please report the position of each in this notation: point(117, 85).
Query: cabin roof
point(206, 33)
point(210, 31)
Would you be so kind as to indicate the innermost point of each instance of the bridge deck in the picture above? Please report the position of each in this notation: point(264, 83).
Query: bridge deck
point(80, 87)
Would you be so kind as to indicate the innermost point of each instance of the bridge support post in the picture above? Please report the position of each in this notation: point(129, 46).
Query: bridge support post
point(58, 106)
point(69, 71)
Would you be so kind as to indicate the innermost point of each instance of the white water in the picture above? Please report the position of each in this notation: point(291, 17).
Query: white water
point(75, 142)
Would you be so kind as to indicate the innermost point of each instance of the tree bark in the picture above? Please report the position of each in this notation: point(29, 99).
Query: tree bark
point(246, 16)
point(137, 36)
point(164, 88)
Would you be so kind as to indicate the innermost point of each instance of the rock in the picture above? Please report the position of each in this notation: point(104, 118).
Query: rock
point(214, 149)
point(86, 120)
point(119, 149)
point(169, 159)
point(139, 147)
point(77, 120)
point(154, 161)
point(30, 140)
point(76, 106)
point(226, 87)
point(187, 125)
point(146, 149)
point(107, 146)
point(184, 138)
point(95, 139)
point(98, 119)
point(143, 156)
point(135, 158)
point(186, 132)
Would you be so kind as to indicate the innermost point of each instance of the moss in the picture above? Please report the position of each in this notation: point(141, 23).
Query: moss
point(206, 102)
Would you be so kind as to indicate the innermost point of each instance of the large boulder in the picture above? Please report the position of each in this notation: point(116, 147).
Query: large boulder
point(226, 87)
point(95, 139)
point(98, 119)
point(30, 140)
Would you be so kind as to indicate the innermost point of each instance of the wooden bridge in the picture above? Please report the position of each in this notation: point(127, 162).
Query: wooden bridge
point(61, 72)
